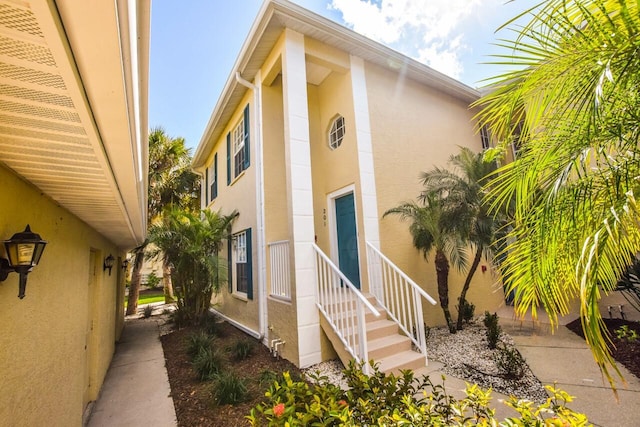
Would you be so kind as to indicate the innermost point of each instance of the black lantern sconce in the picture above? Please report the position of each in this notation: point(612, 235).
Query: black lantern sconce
point(125, 264)
point(108, 263)
point(23, 251)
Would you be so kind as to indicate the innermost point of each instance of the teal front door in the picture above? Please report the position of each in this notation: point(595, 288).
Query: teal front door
point(347, 238)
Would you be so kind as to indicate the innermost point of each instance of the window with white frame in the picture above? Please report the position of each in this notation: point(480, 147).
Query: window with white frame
point(516, 145)
point(238, 147)
point(336, 132)
point(484, 138)
point(240, 267)
point(212, 179)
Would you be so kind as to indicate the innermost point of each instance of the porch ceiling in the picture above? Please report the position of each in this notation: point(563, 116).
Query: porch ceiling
point(73, 108)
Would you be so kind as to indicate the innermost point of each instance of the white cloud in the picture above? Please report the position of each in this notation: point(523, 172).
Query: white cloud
point(427, 30)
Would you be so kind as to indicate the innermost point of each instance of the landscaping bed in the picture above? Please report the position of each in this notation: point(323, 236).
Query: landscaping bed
point(193, 399)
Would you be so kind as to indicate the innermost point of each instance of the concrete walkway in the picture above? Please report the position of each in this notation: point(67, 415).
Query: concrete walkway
point(563, 358)
point(136, 390)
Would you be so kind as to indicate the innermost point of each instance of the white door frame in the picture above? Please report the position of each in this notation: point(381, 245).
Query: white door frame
point(333, 225)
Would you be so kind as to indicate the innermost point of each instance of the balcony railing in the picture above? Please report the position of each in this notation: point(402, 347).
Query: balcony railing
point(279, 267)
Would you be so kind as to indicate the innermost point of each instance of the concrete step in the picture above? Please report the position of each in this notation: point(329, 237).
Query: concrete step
point(381, 328)
point(407, 359)
point(388, 346)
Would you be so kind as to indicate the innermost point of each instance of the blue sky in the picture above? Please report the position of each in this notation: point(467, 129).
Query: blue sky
point(194, 44)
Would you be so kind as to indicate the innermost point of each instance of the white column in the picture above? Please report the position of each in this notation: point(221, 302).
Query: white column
point(299, 189)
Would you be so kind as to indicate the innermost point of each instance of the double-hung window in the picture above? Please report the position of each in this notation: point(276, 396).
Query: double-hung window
point(238, 148)
point(213, 178)
point(240, 268)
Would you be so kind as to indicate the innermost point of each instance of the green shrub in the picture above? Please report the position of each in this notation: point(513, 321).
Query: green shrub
point(493, 329)
point(468, 310)
point(196, 342)
point(241, 349)
point(268, 377)
point(387, 400)
point(212, 325)
point(625, 333)
point(208, 363)
point(229, 388)
point(510, 362)
point(153, 281)
point(148, 311)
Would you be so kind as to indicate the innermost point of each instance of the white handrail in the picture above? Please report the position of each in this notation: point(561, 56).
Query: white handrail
point(399, 295)
point(337, 300)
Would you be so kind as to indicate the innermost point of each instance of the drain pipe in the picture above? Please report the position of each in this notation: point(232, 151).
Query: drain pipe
point(255, 334)
point(262, 256)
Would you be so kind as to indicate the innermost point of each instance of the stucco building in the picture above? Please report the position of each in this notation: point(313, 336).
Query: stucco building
point(318, 132)
point(73, 165)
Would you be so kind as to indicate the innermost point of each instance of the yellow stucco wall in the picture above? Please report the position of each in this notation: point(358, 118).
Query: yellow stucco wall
point(415, 128)
point(240, 195)
point(47, 374)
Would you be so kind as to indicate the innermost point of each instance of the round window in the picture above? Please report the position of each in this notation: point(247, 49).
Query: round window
point(336, 132)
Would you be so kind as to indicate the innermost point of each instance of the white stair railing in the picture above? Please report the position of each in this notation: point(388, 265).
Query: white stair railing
point(399, 295)
point(338, 300)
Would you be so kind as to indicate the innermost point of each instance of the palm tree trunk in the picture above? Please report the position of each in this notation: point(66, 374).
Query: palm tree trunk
point(442, 273)
point(134, 287)
point(467, 283)
point(167, 283)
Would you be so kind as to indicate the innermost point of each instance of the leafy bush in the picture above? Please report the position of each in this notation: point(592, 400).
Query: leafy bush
point(229, 388)
point(153, 281)
point(241, 349)
point(208, 363)
point(468, 311)
point(625, 333)
point(212, 325)
point(493, 329)
point(510, 362)
point(387, 400)
point(198, 341)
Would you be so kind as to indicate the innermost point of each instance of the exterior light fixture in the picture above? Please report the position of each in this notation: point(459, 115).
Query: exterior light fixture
point(108, 263)
point(125, 264)
point(23, 251)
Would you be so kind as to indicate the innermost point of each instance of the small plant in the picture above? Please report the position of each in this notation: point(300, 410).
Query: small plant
point(148, 311)
point(510, 362)
point(198, 341)
point(153, 281)
point(268, 377)
point(467, 309)
point(241, 349)
point(627, 334)
point(229, 388)
point(212, 325)
point(208, 363)
point(493, 329)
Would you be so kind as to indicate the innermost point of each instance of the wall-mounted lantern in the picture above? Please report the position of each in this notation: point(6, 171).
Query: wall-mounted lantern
point(125, 264)
point(108, 263)
point(23, 251)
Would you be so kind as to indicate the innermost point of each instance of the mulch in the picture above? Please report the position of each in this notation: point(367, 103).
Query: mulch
point(192, 398)
point(625, 351)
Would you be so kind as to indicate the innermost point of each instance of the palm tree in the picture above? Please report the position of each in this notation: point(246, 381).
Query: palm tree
point(428, 234)
point(189, 242)
point(574, 183)
point(171, 183)
point(462, 192)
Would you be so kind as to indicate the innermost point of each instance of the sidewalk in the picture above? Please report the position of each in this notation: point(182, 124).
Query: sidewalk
point(136, 389)
point(563, 358)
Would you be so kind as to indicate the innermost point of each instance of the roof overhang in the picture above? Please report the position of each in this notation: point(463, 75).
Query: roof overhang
point(273, 18)
point(73, 107)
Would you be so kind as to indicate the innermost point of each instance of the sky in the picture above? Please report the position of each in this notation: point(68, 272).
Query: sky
point(195, 43)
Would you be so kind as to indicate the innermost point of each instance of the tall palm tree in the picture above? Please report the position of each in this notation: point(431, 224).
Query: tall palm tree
point(575, 96)
point(428, 235)
point(190, 242)
point(171, 183)
point(462, 192)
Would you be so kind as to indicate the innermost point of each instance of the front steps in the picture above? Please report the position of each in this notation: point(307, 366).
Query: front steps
point(387, 346)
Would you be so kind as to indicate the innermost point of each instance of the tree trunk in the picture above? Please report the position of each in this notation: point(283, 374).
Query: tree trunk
point(134, 287)
point(167, 284)
point(442, 273)
point(467, 283)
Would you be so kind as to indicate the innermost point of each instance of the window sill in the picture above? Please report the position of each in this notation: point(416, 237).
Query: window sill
point(234, 180)
point(241, 297)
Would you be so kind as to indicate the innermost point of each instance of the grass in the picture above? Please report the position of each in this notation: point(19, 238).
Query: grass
point(149, 298)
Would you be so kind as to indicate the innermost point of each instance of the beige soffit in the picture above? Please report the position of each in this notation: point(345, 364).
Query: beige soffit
point(273, 18)
point(73, 107)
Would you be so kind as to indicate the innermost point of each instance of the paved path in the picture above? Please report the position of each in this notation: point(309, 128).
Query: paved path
point(136, 390)
point(563, 358)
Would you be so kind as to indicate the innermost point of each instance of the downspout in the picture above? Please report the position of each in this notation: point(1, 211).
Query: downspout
point(262, 256)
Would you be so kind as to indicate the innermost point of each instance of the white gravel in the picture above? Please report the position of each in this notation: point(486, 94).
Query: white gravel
point(465, 355)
